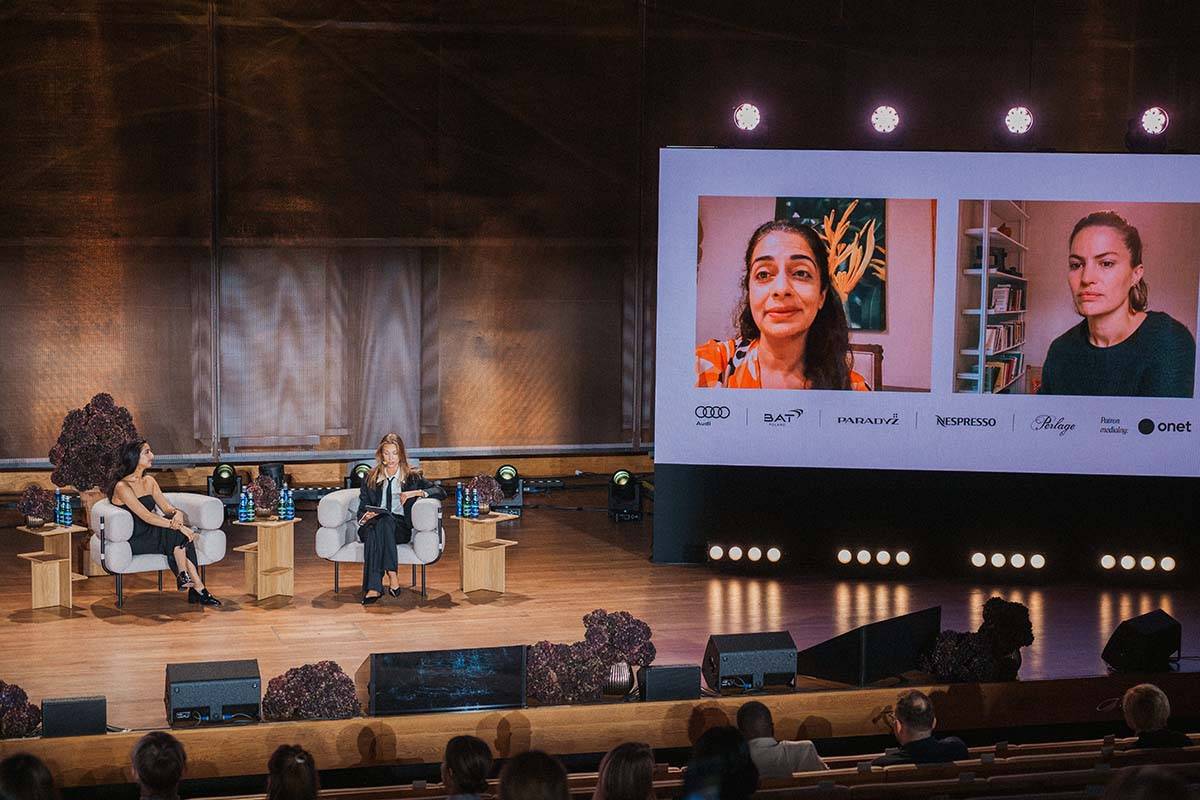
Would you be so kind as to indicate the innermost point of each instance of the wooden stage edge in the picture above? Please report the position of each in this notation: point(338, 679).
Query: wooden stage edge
point(230, 751)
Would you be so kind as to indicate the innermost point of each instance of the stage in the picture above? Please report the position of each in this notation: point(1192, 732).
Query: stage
point(566, 564)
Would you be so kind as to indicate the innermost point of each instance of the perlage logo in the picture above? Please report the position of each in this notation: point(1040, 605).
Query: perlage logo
point(782, 419)
point(1045, 422)
point(1148, 426)
point(965, 422)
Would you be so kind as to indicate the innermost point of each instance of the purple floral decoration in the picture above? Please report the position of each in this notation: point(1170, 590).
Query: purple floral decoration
point(575, 673)
point(311, 691)
point(264, 492)
point(18, 717)
point(36, 502)
point(86, 452)
point(487, 488)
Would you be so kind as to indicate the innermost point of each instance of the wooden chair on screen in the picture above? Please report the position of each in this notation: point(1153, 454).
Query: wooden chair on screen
point(867, 360)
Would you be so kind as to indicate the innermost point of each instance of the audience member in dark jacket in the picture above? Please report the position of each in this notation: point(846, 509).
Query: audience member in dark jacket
point(913, 723)
point(1146, 711)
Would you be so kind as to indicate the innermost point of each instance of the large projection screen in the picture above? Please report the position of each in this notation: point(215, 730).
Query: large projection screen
point(985, 332)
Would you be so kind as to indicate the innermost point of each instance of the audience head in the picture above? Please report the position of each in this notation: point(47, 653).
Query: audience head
point(465, 765)
point(626, 773)
point(25, 777)
point(158, 763)
point(1147, 783)
point(754, 720)
point(292, 774)
point(720, 767)
point(913, 716)
point(1146, 708)
point(533, 775)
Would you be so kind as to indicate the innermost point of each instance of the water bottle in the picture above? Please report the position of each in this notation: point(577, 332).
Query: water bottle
point(291, 505)
point(244, 507)
point(281, 506)
point(58, 512)
point(458, 500)
point(68, 512)
point(474, 503)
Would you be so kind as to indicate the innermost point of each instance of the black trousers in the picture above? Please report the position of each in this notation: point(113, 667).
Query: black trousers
point(149, 539)
point(380, 537)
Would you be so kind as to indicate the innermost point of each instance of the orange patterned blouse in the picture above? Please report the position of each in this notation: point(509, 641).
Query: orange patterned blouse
point(733, 364)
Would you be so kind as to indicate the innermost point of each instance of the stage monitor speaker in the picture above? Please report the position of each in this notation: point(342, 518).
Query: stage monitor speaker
point(1144, 644)
point(442, 680)
point(74, 716)
point(749, 661)
point(671, 682)
point(873, 652)
point(213, 691)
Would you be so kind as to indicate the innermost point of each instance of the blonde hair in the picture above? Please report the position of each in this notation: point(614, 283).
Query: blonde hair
point(376, 475)
point(1146, 708)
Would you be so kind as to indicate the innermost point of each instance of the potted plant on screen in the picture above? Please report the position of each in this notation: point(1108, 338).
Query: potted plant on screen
point(18, 717)
point(603, 663)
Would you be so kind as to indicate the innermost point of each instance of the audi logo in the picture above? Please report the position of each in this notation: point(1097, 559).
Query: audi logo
point(712, 412)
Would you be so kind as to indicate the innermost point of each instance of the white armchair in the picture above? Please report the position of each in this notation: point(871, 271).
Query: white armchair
point(337, 538)
point(112, 526)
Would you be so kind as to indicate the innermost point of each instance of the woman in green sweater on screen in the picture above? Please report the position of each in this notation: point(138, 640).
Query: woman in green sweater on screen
point(1120, 349)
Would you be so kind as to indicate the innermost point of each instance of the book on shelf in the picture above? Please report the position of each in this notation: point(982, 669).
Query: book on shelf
point(999, 371)
point(1003, 335)
point(1007, 298)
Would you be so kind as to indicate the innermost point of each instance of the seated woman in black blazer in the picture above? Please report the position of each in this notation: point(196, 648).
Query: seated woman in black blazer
point(393, 484)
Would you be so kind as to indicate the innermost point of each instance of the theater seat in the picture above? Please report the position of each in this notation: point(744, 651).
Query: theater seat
point(111, 550)
point(337, 538)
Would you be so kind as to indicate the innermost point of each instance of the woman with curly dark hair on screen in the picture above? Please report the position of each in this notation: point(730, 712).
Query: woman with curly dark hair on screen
point(792, 330)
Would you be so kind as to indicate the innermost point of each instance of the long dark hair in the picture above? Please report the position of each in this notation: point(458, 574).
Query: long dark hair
point(24, 776)
point(826, 351)
point(292, 774)
point(1139, 293)
point(127, 460)
point(626, 773)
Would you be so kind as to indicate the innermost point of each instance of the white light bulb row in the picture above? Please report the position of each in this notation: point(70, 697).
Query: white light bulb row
point(1014, 560)
point(1018, 119)
point(1128, 562)
point(736, 552)
point(883, 558)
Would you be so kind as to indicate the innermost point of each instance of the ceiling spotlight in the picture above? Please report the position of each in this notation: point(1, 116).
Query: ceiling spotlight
point(1037, 561)
point(845, 556)
point(754, 553)
point(863, 557)
point(978, 559)
point(1155, 120)
point(746, 117)
point(1107, 561)
point(997, 559)
point(1018, 120)
point(716, 552)
point(735, 553)
point(883, 557)
point(885, 119)
point(1147, 563)
point(902, 558)
point(774, 554)
point(1167, 563)
point(1017, 560)
point(1127, 562)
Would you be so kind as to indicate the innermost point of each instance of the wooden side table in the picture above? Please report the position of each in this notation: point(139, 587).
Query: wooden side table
point(480, 553)
point(270, 567)
point(50, 567)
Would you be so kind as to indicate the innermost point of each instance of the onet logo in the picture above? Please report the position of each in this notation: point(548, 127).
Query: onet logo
point(712, 412)
point(1148, 426)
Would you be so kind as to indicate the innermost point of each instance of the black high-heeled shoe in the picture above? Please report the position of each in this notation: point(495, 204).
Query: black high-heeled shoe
point(369, 601)
point(394, 592)
point(184, 581)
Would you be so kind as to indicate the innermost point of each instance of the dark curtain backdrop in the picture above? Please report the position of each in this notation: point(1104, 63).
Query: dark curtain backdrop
point(296, 224)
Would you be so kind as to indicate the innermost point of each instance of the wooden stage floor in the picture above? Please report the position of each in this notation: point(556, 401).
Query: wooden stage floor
point(567, 563)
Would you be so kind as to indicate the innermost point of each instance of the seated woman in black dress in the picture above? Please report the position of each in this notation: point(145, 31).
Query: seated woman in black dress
point(1120, 348)
point(138, 492)
point(393, 484)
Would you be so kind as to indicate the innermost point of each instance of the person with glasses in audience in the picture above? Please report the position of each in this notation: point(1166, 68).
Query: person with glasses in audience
point(912, 722)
